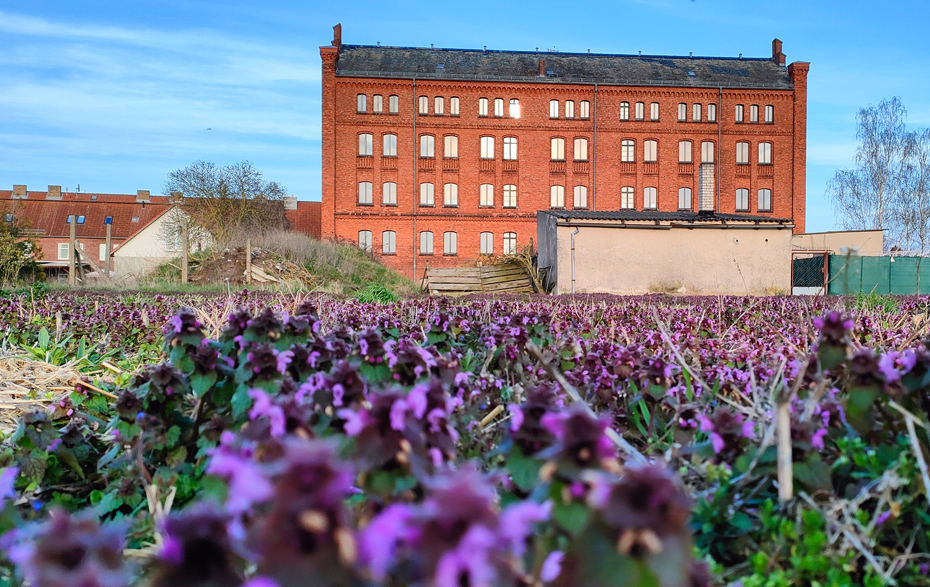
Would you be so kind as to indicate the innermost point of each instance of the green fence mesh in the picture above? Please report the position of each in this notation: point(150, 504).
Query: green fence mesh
point(883, 275)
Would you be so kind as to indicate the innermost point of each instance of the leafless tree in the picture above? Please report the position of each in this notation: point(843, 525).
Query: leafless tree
point(230, 200)
point(888, 188)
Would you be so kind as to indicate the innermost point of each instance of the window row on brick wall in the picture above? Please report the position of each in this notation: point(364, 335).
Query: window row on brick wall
point(427, 245)
point(740, 114)
point(649, 199)
point(764, 150)
point(428, 196)
point(377, 104)
point(764, 202)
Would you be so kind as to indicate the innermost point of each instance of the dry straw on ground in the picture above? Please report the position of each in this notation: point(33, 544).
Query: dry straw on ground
point(26, 385)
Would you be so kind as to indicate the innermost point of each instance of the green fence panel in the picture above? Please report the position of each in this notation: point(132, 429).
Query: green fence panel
point(845, 275)
point(876, 275)
point(904, 274)
point(923, 275)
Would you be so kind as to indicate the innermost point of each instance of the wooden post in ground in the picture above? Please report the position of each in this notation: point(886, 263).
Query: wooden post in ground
point(783, 439)
point(106, 264)
point(72, 250)
point(80, 266)
point(185, 249)
point(248, 260)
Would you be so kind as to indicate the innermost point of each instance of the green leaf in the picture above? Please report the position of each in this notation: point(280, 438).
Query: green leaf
point(241, 401)
point(68, 458)
point(523, 470)
point(44, 338)
point(571, 516)
point(813, 474)
point(201, 384)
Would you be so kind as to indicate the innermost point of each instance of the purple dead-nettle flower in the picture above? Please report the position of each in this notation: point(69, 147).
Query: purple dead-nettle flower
point(176, 324)
point(284, 359)
point(197, 548)
point(817, 439)
point(69, 551)
point(469, 560)
point(7, 481)
point(518, 520)
point(882, 518)
point(265, 407)
point(355, 421)
point(582, 439)
point(380, 539)
point(247, 483)
point(552, 566)
point(516, 417)
point(261, 582)
point(728, 432)
point(834, 326)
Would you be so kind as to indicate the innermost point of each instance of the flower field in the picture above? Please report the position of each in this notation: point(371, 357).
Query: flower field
point(585, 441)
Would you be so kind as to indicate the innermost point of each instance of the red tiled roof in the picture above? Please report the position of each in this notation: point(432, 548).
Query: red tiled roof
point(83, 197)
point(49, 218)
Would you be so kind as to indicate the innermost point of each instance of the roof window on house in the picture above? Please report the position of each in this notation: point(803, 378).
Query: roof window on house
point(108, 220)
point(135, 219)
point(80, 219)
point(94, 198)
point(8, 218)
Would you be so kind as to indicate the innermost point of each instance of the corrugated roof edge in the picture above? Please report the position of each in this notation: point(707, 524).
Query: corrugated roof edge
point(643, 215)
point(570, 53)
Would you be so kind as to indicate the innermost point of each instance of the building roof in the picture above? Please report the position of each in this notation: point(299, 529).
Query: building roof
point(647, 216)
point(49, 218)
point(523, 66)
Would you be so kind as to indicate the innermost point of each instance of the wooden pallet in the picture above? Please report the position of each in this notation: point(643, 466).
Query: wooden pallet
point(504, 278)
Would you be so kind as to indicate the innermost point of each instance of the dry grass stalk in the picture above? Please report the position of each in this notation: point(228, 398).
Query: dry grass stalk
point(26, 384)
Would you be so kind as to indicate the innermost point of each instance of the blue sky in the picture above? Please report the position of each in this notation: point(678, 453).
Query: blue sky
point(112, 96)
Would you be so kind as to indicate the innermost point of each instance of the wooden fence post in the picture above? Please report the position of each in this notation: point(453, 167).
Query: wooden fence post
point(72, 244)
point(248, 260)
point(185, 249)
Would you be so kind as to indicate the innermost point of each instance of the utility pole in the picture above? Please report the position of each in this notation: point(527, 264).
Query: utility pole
point(72, 249)
point(185, 248)
point(106, 264)
point(248, 260)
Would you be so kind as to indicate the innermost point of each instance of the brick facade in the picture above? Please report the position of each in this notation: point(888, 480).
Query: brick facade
point(604, 174)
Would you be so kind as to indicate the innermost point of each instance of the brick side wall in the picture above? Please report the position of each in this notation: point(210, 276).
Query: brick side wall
point(603, 174)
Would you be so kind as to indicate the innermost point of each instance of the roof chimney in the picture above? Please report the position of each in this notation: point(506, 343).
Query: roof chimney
point(19, 192)
point(176, 197)
point(54, 192)
point(143, 196)
point(777, 56)
point(337, 36)
point(542, 68)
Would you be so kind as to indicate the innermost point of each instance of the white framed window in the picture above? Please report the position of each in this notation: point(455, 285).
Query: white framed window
point(439, 106)
point(739, 113)
point(581, 149)
point(499, 107)
point(640, 111)
point(627, 150)
point(389, 148)
point(450, 243)
point(482, 106)
point(650, 200)
point(364, 145)
point(427, 146)
point(557, 196)
point(103, 252)
point(742, 200)
point(426, 243)
point(682, 112)
point(707, 152)
point(450, 147)
point(388, 242)
point(377, 103)
point(684, 151)
point(558, 149)
point(63, 251)
point(684, 198)
point(510, 148)
point(389, 193)
point(711, 113)
point(584, 109)
point(765, 200)
point(696, 113)
point(486, 195)
point(650, 151)
point(361, 103)
point(654, 111)
point(510, 196)
point(626, 198)
point(453, 106)
point(450, 194)
point(487, 147)
point(769, 114)
point(427, 194)
point(742, 153)
point(172, 241)
point(487, 243)
point(765, 153)
point(569, 109)
point(510, 243)
point(364, 193)
point(423, 108)
point(364, 240)
point(624, 110)
point(754, 113)
point(514, 108)
point(580, 197)
point(393, 104)
point(553, 108)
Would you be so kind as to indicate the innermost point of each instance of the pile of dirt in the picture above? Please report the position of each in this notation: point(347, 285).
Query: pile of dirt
point(267, 269)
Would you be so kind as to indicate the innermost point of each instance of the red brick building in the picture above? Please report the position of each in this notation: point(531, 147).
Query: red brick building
point(440, 155)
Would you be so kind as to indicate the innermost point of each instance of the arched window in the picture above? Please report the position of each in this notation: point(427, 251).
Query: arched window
point(486, 195)
point(624, 110)
point(557, 196)
point(682, 112)
point(510, 196)
point(581, 149)
point(510, 243)
point(389, 193)
point(427, 194)
point(514, 108)
point(450, 243)
point(558, 149)
point(390, 146)
point(450, 194)
point(388, 242)
point(364, 145)
point(628, 150)
point(377, 103)
point(364, 193)
point(684, 198)
point(707, 152)
point(438, 106)
point(510, 148)
point(427, 146)
point(765, 153)
point(742, 200)
point(423, 106)
point(487, 147)
point(580, 199)
point(364, 240)
point(765, 200)
point(684, 151)
point(649, 198)
point(626, 198)
point(450, 147)
point(487, 243)
point(426, 243)
point(361, 103)
point(742, 153)
point(650, 151)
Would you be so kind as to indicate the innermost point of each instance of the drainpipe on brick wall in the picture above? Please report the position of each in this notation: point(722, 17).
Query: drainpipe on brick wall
point(594, 158)
point(719, 146)
point(416, 194)
point(577, 230)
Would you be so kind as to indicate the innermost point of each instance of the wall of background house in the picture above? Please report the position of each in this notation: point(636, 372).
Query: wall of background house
point(144, 251)
point(868, 242)
point(701, 261)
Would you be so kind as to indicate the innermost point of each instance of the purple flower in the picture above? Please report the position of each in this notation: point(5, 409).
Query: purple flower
point(749, 429)
point(517, 522)
point(924, 568)
point(284, 359)
point(883, 518)
point(469, 558)
point(260, 582)
point(817, 438)
point(355, 421)
point(172, 551)
point(516, 420)
point(887, 366)
point(265, 407)
point(552, 566)
point(717, 441)
point(177, 323)
point(247, 484)
point(380, 538)
point(7, 480)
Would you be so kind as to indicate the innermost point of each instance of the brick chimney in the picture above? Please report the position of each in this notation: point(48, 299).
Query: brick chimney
point(19, 192)
point(176, 197)
point(54, 192)
point(777, 56)
point(542, 68)
point(143, 196)
point(337, 36)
